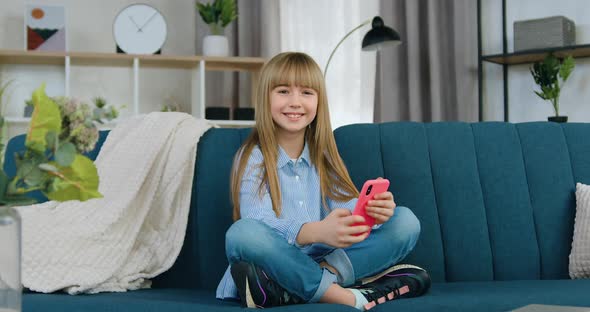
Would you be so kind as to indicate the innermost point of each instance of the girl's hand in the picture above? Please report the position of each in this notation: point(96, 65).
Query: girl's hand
point(337, 231)
point(381, 207)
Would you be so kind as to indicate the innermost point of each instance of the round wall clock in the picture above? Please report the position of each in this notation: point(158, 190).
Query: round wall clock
point(139, 29)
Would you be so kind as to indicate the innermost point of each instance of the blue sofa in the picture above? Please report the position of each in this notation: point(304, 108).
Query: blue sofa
point(496, 203)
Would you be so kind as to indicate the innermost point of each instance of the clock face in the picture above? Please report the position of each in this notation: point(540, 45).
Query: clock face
point(139, 29)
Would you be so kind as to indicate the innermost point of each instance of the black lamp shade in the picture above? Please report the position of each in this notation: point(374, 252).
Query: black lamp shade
point(379, 36)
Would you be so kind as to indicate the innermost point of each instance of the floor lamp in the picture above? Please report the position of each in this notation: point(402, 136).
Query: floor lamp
point(376, 38)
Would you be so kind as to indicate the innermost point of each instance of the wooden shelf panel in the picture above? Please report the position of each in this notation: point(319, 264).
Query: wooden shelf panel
point(99, 59)
point(233, 63)
point(530, 56)
point(33, 57)
point(18, 119)
point(115, 59)
point(233, 123)
point(165, 61)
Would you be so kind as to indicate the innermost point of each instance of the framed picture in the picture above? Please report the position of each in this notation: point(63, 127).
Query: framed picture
point(45, 27)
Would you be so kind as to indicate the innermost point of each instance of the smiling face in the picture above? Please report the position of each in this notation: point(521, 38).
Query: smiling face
point(291, 102)
point(293, 108)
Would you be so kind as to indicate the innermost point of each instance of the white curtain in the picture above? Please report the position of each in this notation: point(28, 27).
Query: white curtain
point(315, 27)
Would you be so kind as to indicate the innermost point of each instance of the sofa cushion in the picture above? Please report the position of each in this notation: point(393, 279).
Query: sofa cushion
point(458, 296)
point(135, 301)
point(494, 296)
point(150, 300)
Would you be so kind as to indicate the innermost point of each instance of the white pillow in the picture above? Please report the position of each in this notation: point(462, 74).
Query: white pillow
point(580, 255)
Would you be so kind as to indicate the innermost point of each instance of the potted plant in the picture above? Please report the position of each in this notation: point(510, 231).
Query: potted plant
point(60, 131)
point(550, 75)
point(217, 14)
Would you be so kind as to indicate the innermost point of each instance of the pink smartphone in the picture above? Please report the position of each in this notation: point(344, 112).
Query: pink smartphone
point(370, 188)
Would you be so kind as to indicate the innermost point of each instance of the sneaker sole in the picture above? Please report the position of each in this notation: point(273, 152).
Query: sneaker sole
point(249, 300)
point(390, 296)
point(244, 291)
point(391, 269)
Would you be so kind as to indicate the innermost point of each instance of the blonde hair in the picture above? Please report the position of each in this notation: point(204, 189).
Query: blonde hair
point(295, 69)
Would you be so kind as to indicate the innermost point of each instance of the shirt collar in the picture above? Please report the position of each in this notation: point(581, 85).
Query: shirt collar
point(284, 159)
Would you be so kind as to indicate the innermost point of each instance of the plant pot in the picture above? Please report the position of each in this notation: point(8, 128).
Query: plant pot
point(215, 46)
point(557, 118)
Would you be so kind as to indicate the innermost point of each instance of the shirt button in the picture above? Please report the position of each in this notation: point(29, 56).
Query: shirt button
point(300, 203)
point(297, 178)
point(290, 241)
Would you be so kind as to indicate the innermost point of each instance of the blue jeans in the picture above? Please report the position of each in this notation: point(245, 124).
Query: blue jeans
point(298, 270)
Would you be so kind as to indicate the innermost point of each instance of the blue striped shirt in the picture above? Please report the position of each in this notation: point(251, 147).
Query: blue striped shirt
point(301, 202)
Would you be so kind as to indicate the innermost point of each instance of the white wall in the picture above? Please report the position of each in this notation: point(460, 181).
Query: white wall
point(89, 29)
point(524, 105)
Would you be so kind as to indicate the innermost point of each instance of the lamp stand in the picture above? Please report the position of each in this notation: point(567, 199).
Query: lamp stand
point(342, 40)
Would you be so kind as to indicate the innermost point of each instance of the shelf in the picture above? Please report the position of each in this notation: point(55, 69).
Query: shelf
point(530, 56)
point(34, 58)
point(17, 119)
point(115, 59)
point(233, 123)
point(234, 63)
point(196, 64)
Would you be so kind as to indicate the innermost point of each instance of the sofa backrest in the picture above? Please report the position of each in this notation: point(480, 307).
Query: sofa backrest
point(496, 200)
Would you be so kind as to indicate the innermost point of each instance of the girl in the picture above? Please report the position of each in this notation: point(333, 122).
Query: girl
point(294, 240)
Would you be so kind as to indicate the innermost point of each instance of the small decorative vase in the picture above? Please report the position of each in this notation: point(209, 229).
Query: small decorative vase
point(10, 259)
point(557, 118)
point(215, 46)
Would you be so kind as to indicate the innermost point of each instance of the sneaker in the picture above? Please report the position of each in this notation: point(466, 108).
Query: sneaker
point(257, 290)
point(399, 281)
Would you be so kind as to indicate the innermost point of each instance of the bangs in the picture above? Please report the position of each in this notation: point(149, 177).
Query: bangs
point(297, 70)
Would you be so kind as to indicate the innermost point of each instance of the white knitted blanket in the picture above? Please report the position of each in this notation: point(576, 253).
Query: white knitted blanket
point(136, 231)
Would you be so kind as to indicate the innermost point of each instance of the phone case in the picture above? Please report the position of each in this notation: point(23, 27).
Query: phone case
point(370, 188)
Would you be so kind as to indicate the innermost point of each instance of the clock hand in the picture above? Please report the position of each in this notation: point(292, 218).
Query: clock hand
point(131, 18)
point(149, 19)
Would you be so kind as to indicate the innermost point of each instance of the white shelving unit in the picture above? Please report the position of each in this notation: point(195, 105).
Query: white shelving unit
point(17, 119)
point(198, 65)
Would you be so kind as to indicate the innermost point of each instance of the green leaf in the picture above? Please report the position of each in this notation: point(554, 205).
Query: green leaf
point(35, 177)
point(3, 184)
point(113, 113)
point(26, 164)
point(546, 75)
point(52, 140)
point(221, 12)
point(65, 154)
point(566, 67)
point(207, 12)
point(78, 182)
point(46, 117)
point(541, 95)
point(228, 12)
